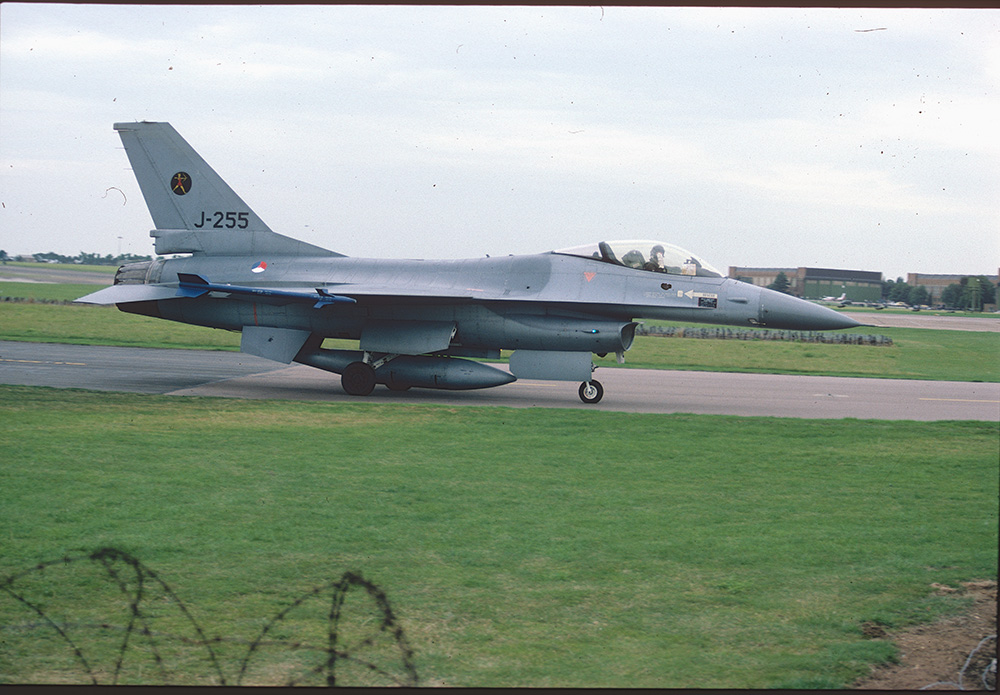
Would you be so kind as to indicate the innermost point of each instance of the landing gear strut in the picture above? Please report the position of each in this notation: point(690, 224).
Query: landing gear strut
point(591, 391)
point(358, 379)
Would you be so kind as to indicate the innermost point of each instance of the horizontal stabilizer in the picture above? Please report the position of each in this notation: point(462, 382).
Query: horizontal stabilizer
point(124, 294)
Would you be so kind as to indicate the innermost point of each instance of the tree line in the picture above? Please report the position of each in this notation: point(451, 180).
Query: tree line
point(971, 292)
point(82, 258)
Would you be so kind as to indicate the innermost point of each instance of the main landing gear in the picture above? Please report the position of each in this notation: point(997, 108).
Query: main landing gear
point(358, 379)
point(591, 391)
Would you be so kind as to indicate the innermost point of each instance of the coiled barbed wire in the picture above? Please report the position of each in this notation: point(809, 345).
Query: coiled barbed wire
point(991, 668)
point(137, 582)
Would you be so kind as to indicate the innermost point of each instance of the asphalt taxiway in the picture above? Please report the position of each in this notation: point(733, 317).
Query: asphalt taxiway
point(982, 324)
point(236, 375)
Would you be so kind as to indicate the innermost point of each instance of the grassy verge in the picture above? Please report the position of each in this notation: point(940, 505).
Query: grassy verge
point(61, 267)
point(96, 325)
point(517, 547)
point(46, 291)
point(916, 353)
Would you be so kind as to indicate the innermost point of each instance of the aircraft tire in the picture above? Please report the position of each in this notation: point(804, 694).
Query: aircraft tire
point(393, 386)
point(591, 391)
point(358, 379)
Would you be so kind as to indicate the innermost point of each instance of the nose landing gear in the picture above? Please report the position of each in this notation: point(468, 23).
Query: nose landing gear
point(591, 391)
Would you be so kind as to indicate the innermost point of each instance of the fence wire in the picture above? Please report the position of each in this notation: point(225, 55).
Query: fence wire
point(320, 638)
point(986, 664)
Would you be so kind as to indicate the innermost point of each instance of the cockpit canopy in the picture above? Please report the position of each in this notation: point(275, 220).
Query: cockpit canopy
point(655, 256)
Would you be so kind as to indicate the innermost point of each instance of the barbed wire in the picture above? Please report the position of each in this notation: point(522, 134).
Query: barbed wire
point(989, 668)
point(146, 594)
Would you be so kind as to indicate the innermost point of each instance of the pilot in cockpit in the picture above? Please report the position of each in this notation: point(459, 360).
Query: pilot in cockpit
point(633, 259)
point(655, 262)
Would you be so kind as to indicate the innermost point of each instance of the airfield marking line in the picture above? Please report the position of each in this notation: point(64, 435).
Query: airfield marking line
point(73, 364)
point(959, 400)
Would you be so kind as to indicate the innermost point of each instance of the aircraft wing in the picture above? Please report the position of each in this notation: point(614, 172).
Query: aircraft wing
point(196, 286)
point(193, 286)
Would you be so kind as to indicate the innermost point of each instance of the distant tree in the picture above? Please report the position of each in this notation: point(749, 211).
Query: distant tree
point(918, 295)
point(3, 256)
point(978, 291)
point(91, 258)
point(970, 292)
point(900, 291)
point(952, 295)
point(780, 283)
point(888, 286)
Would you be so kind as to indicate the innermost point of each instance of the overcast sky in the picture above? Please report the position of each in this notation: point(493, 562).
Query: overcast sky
point(861, 139)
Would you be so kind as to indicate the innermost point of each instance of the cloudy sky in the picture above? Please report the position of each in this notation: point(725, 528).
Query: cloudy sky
point(862, 139)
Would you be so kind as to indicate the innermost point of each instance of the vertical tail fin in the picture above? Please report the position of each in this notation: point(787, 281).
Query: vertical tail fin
point(193, 209)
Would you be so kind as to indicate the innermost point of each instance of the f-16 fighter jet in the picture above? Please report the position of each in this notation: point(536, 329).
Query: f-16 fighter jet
point(416, 321)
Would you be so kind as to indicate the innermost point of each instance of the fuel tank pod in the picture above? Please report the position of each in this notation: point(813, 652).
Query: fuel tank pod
point(421, 371)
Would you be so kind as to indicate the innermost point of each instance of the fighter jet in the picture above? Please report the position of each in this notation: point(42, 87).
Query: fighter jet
point(417, 322)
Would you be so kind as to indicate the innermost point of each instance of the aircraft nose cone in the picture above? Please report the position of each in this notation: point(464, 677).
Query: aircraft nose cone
point(778, 310)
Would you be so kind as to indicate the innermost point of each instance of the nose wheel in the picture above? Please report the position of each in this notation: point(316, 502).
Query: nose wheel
point(591, 391)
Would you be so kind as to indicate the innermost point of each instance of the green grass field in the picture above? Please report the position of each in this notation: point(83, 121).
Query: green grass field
point(45, 291)
point(518, 547)
point(109, 269)
point(916, 353)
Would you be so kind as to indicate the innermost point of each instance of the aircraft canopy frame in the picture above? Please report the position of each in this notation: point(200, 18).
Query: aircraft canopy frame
point(645, 254)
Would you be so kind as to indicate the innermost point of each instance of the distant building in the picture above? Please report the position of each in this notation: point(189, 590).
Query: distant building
point(762, 277)
point(816, 283)
point(936, 284)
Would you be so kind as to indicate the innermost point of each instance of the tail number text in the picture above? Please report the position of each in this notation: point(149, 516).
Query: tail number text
point(224, 220)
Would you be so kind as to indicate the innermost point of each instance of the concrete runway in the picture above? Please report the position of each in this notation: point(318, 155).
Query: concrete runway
point(926, 320)
point(54, 273)
point(235, 375)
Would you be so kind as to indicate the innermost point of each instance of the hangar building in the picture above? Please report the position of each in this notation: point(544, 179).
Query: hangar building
point(816, 283)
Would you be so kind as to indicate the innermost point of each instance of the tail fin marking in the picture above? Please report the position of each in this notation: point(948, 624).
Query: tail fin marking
point(193, 208)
